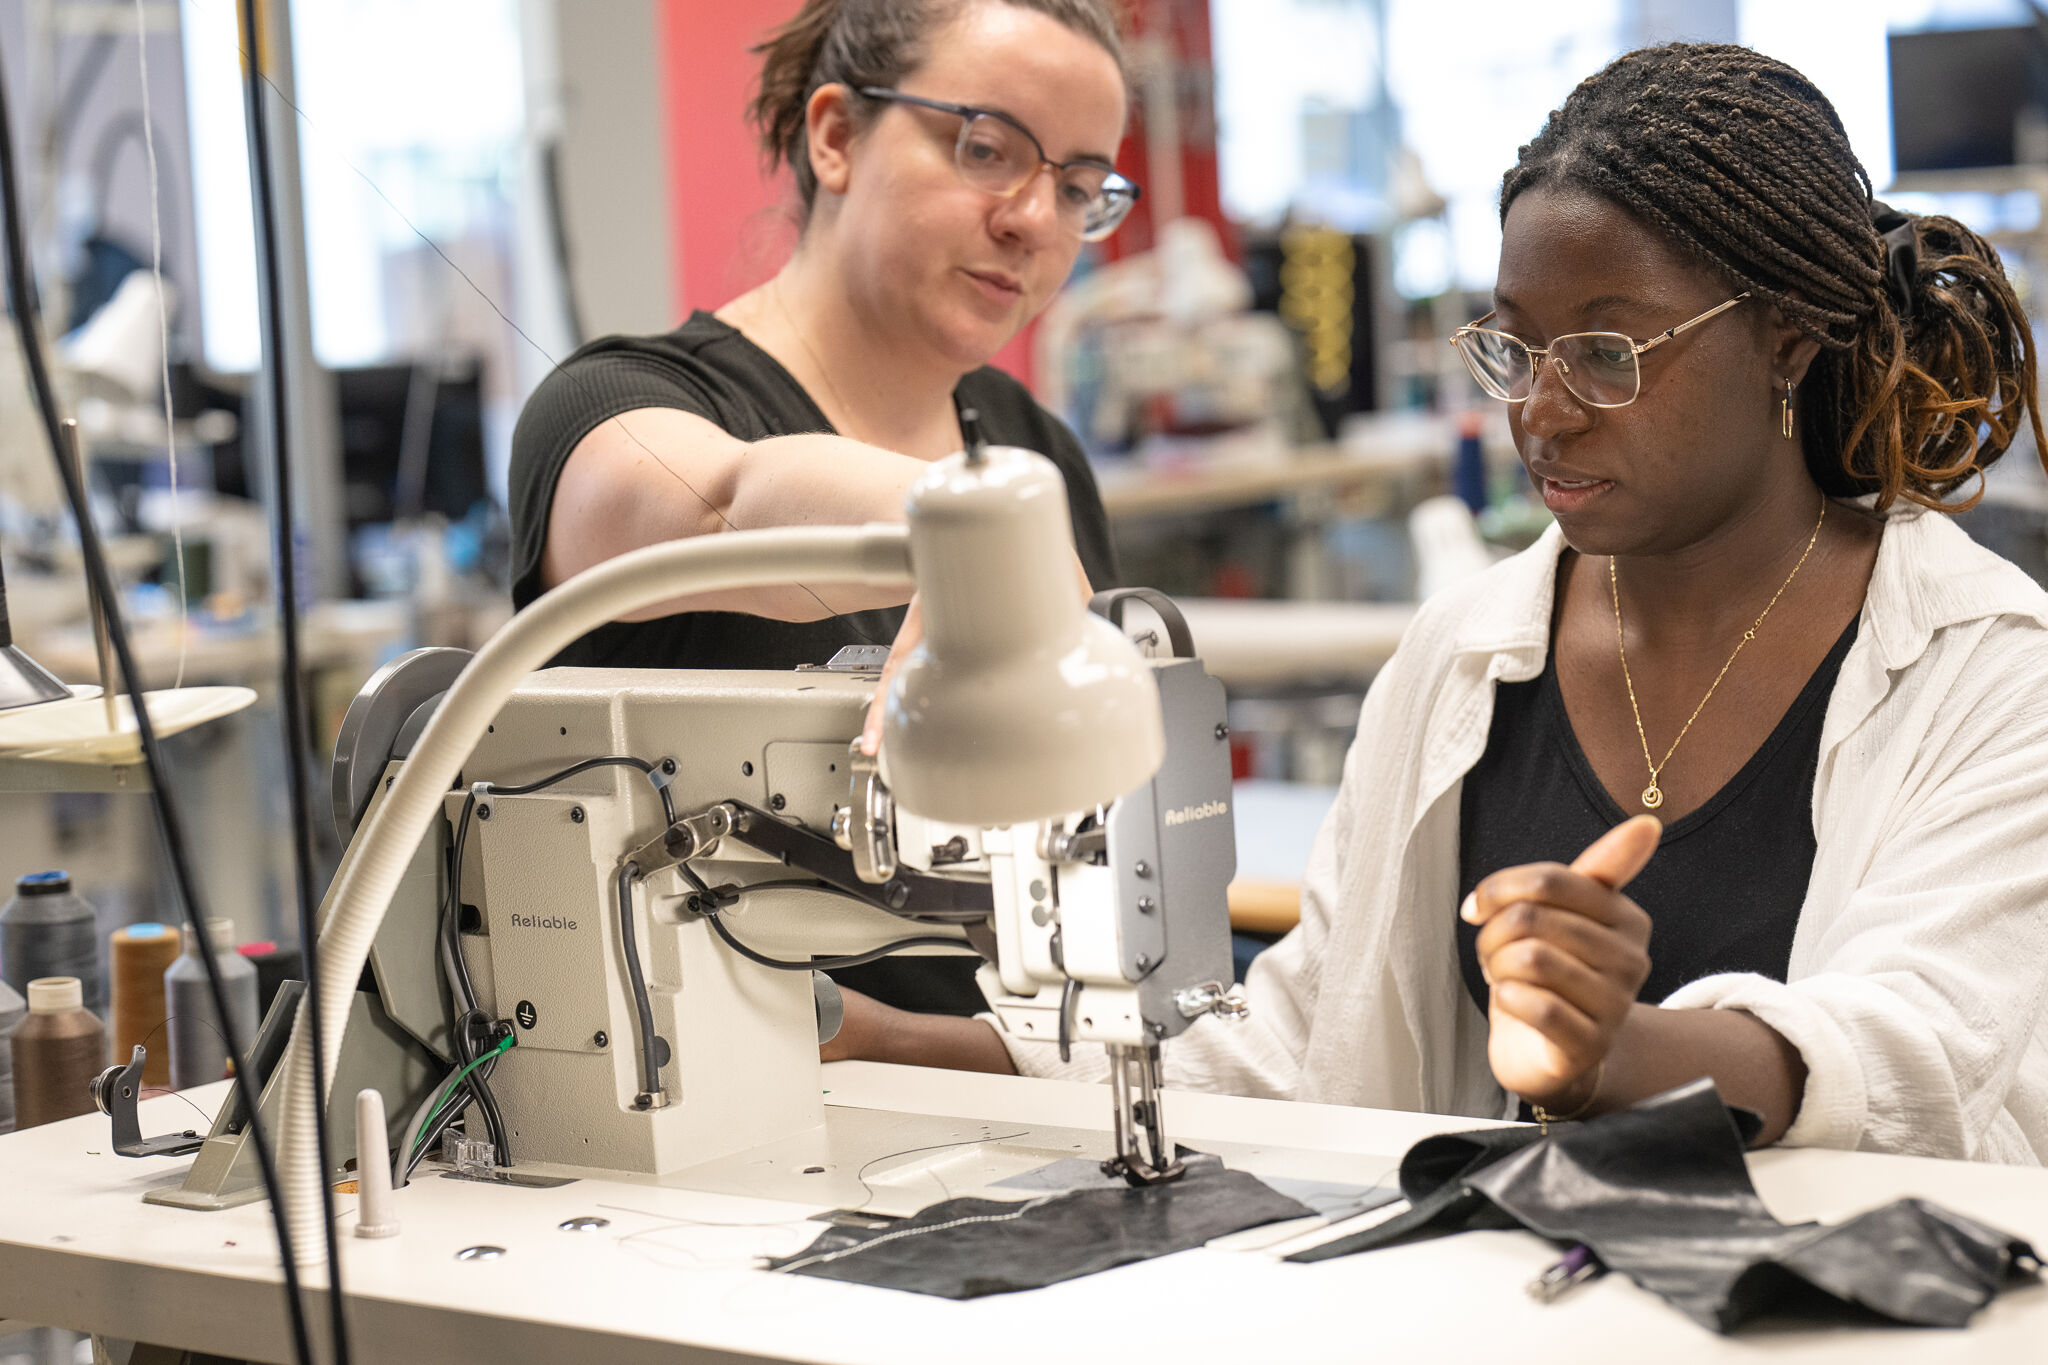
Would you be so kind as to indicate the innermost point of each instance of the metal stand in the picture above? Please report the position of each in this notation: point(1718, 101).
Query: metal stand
point(382, 1056)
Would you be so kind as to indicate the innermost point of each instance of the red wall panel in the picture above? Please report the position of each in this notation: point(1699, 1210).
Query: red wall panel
point(730, 224)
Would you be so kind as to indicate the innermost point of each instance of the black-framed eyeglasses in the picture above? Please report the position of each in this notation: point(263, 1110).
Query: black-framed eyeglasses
point(1000, 156)
point(1601, 369)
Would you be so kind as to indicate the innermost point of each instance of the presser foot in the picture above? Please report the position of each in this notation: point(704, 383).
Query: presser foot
point(1143, 1155)
point(1138, 1173)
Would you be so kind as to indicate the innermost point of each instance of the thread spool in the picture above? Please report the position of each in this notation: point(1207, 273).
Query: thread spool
point(13, 1009)
point(138, 956)
point(199, 1051)
point(47, 931)
point(58, 1050)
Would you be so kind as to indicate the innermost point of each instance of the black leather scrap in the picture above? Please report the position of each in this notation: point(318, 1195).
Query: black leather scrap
point(966, 1248)
point(1661, 1194)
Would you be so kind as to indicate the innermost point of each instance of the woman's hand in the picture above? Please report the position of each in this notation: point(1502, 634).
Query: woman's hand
point(1565, 953)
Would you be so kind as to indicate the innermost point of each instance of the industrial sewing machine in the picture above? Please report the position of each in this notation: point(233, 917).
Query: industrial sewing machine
point(647, 937)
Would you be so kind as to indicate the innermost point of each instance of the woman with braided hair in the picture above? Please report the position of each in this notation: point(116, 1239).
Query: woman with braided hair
point(1742, 770)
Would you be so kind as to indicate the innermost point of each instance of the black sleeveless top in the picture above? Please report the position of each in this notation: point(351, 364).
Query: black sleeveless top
point(714, 371)
point(1726, 884)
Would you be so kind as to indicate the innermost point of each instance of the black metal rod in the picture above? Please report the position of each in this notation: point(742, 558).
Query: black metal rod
point(291, 684)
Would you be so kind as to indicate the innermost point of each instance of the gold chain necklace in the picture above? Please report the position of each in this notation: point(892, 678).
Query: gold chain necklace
point(1653, 795)
point(816, 364)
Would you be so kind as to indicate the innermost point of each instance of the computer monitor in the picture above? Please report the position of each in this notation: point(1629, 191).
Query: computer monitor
point(447, 475)
point(1960, 95)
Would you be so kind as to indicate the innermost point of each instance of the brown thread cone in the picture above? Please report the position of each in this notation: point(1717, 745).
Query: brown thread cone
point(138, 959)
point(58, 1050)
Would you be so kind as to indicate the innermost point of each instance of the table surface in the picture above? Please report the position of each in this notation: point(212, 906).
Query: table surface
point(672, 1277)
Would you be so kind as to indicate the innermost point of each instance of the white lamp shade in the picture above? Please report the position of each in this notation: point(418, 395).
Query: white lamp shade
point(1019, 704)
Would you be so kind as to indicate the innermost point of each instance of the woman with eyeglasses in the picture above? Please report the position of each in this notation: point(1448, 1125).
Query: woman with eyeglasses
point(1742, 770)
point(951, 156)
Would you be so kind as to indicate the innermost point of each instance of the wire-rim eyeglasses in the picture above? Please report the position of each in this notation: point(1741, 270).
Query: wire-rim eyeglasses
point(998, 155)
point(1601, 369)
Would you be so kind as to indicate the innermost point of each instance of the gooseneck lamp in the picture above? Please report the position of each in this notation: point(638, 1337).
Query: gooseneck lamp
point(1018, 705)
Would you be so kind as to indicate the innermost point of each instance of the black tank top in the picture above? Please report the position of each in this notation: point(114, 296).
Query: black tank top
point(1725, 887)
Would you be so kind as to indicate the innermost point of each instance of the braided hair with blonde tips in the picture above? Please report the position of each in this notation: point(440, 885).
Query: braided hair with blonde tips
point(1927, 366)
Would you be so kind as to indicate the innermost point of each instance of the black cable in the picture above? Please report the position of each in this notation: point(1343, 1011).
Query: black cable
point(291, 685)
point(829, 964)
point(727, 895)
point(454, 964)
point(21, 290)
point(629, 940)
point(453, 1113)
point(477, 1030)
point(468, 1048)
point(668, 808)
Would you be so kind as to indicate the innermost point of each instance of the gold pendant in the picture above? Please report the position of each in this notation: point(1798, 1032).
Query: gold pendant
point(1652, 798)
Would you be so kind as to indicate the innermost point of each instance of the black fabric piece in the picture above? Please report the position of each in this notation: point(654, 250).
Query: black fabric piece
point(983, 1246)
point(1661, 1194)
point(1901, 257)
point(1726, 886)
point(710, 369)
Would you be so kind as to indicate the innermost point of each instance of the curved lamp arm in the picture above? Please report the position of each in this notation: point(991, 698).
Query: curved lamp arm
point(370, 875)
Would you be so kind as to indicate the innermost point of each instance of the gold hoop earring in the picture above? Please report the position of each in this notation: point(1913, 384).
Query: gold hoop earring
point(1785, 412)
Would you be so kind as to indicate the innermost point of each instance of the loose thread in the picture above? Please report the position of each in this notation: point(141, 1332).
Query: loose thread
point(149, 1090)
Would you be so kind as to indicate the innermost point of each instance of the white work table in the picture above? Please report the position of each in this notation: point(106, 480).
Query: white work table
point(78, 1249)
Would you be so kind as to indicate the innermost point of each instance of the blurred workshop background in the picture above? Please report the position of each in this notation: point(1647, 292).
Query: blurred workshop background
point(1256, 361)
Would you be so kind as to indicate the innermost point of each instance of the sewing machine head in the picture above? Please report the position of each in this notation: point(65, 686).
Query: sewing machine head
point(762, 835)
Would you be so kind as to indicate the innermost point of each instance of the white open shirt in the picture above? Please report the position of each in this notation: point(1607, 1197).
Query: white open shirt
point(1917, 991)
